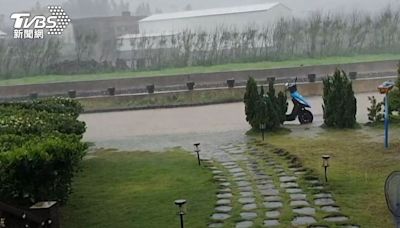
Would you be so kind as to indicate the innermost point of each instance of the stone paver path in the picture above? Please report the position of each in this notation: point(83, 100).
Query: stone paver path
point(260, 185)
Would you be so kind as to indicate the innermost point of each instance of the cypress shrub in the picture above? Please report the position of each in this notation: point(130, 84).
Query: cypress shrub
point(264, 108)
point(375, 111)
point(340, 104)
point(394, 94)
point(279, 102)
point(251, 98)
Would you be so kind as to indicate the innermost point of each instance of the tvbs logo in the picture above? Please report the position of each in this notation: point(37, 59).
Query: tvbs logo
point(27, 26)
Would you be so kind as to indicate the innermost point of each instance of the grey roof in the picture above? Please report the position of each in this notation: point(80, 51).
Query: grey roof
point(212, 12)
point(147, 35)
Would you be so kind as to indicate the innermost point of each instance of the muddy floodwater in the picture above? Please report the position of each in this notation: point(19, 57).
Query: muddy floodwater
point(212, 125)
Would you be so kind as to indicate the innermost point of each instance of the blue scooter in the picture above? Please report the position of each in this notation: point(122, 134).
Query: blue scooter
point(299, 105)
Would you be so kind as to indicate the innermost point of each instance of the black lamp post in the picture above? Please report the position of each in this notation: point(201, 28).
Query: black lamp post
point(325, 164)
point(197, 150)
point(262, 128)
point(181, 212)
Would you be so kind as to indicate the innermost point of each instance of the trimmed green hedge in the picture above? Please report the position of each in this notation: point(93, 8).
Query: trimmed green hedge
point(40, 149)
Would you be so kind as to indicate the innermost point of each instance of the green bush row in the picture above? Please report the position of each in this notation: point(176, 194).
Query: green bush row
point(40, 149)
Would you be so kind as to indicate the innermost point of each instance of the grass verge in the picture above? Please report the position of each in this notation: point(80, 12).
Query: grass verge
point(138, 189)
point(200, 69)
point(359, 167)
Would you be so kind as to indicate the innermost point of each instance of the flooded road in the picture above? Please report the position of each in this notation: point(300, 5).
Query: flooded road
point(212, 125)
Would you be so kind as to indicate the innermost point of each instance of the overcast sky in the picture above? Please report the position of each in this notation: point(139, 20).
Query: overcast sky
point(8, 6)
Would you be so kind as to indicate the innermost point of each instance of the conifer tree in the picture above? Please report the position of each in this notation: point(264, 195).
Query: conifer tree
point(283, 106)
point(394, 94)
point(251, 97)
point(264, 108)
point(340, 104)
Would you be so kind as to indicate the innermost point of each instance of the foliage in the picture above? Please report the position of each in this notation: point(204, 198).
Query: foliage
point(267, 113)
point(261, 108)
point(40, 170)
point(251, 99)
point(318, 36)
point(394, 95)
point(375, 113)
point(340, 104)
point(51, 105)
point(279, 102)
point(22, 57)
point(40, 149)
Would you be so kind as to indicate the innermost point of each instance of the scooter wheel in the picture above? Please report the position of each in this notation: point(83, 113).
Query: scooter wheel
point(306, 117)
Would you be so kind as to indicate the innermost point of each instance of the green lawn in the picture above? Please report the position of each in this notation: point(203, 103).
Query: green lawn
point(359, 167)
point(201, 69)
point(138, 189)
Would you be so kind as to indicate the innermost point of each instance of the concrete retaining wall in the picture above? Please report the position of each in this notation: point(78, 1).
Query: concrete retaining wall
point(138, 84)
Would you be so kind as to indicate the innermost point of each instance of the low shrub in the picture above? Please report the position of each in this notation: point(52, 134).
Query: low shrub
point(40, 149)
point(375, 111)
point(40, 171)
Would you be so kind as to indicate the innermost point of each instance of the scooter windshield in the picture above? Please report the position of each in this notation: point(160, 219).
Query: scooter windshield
point(298, 97)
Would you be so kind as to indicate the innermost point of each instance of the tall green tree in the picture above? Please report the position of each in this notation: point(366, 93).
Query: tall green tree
point(251, 98)
point(340, 104)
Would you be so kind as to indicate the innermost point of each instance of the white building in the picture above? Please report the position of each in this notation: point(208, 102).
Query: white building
point(209, 20)
point(201, 31)
point(158, 27)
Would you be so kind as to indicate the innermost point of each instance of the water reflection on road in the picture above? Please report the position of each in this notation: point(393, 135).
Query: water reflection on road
point(211, 125)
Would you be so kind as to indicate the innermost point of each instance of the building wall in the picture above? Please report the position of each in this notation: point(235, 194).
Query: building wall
point(107, 30)
point(209, 24)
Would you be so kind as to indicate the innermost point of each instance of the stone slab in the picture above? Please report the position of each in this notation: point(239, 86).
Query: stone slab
point(223, 209)
point(271, 223)
point(324, 202)
point(273, 205)
point(272, 214)
point(248, 215)
point(220, 216)
point(297, 203)
point(303, 220)
point(293, 190)
point(247, 200)
point(244, 224)
point(336, 219)
point(249, 207)
point(298, 196)
point(330, 209)
point(305, 211)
